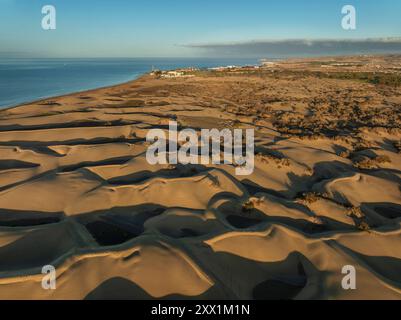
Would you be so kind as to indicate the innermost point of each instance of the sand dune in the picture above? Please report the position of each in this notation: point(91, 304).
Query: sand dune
point(76, 191)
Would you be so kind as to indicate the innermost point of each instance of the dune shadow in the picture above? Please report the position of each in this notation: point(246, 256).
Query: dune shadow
point(36, 248)
point(387, 267)
point(18, 218)
point(120, 224)
point(387, 210)
point(276, 280)
point(16, 164)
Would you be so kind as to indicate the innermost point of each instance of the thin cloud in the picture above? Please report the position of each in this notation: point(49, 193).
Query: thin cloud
point(301, 47)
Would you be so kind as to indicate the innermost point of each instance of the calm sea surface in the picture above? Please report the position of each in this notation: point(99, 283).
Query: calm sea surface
point(25, 80)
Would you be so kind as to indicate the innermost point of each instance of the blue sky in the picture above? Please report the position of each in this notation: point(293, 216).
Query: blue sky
point(161, 28)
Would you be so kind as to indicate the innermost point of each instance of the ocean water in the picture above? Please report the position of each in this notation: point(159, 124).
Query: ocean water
point(26, 80)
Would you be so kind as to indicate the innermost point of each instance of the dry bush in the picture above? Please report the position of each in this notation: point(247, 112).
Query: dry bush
point(248, 206)
point(279, 161)
point(367, 163)
point(355, 212)
point(252, 203)
point(359, 217)
point(311, 197)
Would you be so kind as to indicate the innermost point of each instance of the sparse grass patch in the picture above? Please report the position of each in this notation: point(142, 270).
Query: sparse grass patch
point(279, 161)
point(377, 78)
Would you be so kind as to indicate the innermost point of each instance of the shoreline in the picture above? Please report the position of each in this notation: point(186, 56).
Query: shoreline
point(275, 60)
point(164, 63)
point(70, 94)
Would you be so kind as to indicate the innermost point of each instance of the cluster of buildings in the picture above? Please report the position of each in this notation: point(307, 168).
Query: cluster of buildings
point(188, 72)
point(234, 68)
point(179, 73)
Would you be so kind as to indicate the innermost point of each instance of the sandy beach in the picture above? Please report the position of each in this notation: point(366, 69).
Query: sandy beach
point(77, 192)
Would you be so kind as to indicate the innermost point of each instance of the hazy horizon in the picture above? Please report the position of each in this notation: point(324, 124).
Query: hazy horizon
point(127, 29)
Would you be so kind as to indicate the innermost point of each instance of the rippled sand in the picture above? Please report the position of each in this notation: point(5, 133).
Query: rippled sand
point(77, 192)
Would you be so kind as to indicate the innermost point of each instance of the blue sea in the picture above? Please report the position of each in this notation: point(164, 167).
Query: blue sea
point(26, 80)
